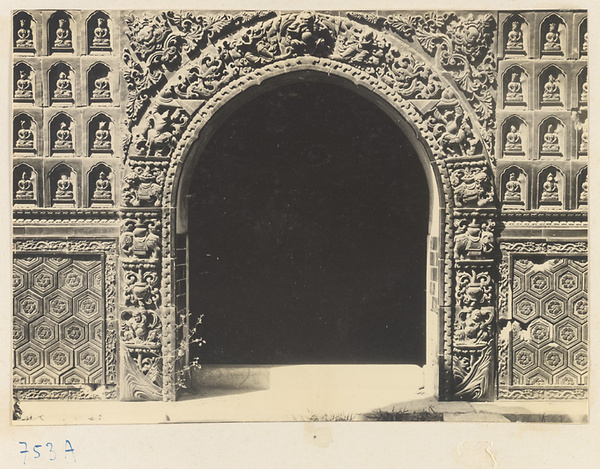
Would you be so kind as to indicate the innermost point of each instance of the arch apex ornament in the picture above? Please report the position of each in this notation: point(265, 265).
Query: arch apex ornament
point(435, 71)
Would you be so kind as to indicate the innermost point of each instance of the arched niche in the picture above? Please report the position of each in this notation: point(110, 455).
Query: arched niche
point(25, 185)
point(552, 137)
point(62, 185)
point(552, 87)
point(551, 188)
point(582, 87)
point(553, 36)
point(24, 134)
point(60, 33)
point(581, 192)
point(62, 84)
point(581, 129)
point(62, 135)
point(100, 135)
point(515, 86)
point(99, 186)
point(583, 38)
point(23, 83)
point(99, 28)
point(23, 33)
point(516, 35)
point(98, 84)
point(515, 137)
point(514, 188)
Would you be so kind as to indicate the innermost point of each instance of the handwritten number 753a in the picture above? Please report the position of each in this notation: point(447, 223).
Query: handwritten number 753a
point(48, 453)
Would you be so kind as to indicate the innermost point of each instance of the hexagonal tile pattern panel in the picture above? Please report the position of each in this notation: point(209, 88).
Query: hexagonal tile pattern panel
point(73, 377)
point(42, 280)
point(19, 280)
point(59, 357)
point(525, 357)
point(58, 306)
point(20, 377)
point(569, 282)
point(29, 358)
point(73, 332)
point(44, 377)
point(525, 308)
point(28, 263)
point(58, 327)
point(28, 306)
point(88, 357)
point(540, 332)
point(568, 333)
point(87, 306)
point(553, 358)
point(72, 280)
point(552, 307)
point(43, 332)
point(20, 332)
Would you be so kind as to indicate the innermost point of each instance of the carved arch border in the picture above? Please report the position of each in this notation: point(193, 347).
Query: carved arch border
point(467, 368)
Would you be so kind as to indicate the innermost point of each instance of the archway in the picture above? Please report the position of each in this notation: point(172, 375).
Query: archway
point(192, 95)
point(308, 219)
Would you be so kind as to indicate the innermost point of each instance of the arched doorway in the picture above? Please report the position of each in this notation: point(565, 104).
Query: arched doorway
point(307, 231)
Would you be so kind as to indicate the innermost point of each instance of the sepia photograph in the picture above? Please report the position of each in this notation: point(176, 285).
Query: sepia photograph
point(299, 215)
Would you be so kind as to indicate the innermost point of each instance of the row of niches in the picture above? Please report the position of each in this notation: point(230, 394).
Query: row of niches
point(63, 138)
point(545, 35)
point(552, 138)
point(552, 89)
point(551, 189)
point(60, 33)
point(63, 187)
point(63, 86)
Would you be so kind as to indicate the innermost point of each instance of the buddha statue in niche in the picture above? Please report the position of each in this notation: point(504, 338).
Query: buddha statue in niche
point(583, 143)
point(513, 141)
point(514, 90)
point(64, 138)
point(550, 189)
point(64, 188)
point(101, 35)
point(62, 39)
point(552, 43)
point(24, 135)
point(101, 88)
point(25, 187)
point(63, 89)
point(584, 46)
point(24, 88)
point(551, 143)
point(103, 188)
point(583, 195)
point(583, 98)
point(24, 35)
point(515, 37)
point(513, 188)
point(101, 137)
point(551, 90)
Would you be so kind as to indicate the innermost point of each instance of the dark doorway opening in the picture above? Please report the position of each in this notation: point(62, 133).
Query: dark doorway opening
point(308, 218)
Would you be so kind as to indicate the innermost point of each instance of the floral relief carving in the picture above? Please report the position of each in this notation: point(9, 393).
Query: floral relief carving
point(141, 286)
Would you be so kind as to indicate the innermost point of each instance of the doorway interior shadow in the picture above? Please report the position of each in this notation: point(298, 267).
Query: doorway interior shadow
point(308, 218)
